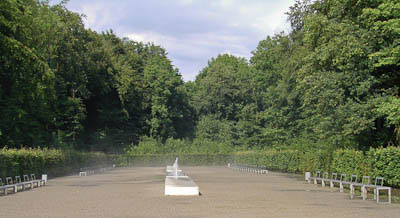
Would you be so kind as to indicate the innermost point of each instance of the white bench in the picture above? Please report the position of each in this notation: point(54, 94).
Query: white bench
point(6, 187)
point(325, 179)
point(23, 185)
point(364, 181)
point(38, 182)
point(316, 177)
point(249, 168)
point(27, 181)
point(377, 188)
point(353, 179)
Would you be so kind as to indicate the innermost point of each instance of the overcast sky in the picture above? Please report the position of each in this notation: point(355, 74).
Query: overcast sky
point(192, 31)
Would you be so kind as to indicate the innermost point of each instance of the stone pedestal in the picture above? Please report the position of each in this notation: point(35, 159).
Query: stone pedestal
point(182, 185)
point(178, 183)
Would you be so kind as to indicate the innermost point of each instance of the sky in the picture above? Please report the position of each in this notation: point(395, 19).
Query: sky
point(192, 31)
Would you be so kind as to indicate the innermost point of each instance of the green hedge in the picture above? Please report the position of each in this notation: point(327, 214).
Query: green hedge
point(168, 159)
point(384, 162)
point(350, 162)
point(292, 161)
point(53, 162)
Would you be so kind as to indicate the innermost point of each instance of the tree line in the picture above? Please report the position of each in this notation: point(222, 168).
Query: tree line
point(331, 82)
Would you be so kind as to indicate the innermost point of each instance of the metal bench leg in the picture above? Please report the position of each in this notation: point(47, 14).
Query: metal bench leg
point(323, 183)
point(377, 196)
point(315, 181)
point(374, 193)
point(352, 191)
point(341, 187)
point(332, 185)
point(364, 193)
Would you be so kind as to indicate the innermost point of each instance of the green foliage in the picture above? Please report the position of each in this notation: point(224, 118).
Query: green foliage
point(63, 84)
point(288, 160)
point(212, 129)
point(150, 146)
point(381, 162)
point(390, 109)
point(222, 88)
point(285, 161)
point(54, 162)
point(350, 162)
point(184, 159)
point(385, 162)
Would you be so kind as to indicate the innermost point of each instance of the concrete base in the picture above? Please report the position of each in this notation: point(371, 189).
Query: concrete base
point(171, 169)
point(181, 185)
point(179, 174)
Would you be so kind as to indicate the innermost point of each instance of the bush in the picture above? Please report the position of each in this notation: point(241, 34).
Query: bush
point(286, 161)
point(385, 162)
point(149, 145)
point(168, 159)
point(350, 162)
point(53, 162)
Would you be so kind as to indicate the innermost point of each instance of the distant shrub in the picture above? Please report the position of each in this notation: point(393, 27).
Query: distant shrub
point(149, 145)
point(54, 162)
point(168, 159)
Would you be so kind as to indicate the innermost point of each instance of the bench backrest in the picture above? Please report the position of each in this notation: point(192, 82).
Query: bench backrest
point(318, 174)
point(1, 182)
point(334, 176)
point(9, 181)
point(343, 177)
point(17, 179)
point(33, 177)
point(26, 178)
point(326, 175)
point(365, 180)
point(377, 179)
point(353, 178)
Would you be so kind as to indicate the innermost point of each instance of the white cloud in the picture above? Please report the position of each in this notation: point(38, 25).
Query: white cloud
point(192, 31)
point(186, 2)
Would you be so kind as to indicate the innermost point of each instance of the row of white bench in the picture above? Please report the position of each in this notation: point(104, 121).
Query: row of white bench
point(364, 184)
point(249, 168)
point(29, 182)
point(85, 171)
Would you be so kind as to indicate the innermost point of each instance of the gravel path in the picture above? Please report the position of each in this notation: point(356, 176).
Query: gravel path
point(139, 192)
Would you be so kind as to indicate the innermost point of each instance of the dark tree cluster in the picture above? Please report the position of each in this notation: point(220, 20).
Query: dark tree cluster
point(63, 84)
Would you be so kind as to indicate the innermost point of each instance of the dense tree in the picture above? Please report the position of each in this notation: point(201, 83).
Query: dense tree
point(222, 88)
point(26, 84)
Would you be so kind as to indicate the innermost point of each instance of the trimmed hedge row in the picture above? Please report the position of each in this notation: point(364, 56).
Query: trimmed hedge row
point(384, 162)
point(168, 159)
point(52, 162)
point(292, 161)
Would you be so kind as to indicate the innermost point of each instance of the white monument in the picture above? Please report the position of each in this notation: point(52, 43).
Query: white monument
point(177, 183)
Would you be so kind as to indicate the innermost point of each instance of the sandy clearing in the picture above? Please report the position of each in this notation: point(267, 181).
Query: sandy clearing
point(139, 192)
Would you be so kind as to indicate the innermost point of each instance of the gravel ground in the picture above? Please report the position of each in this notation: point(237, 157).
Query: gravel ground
point(139, 192)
